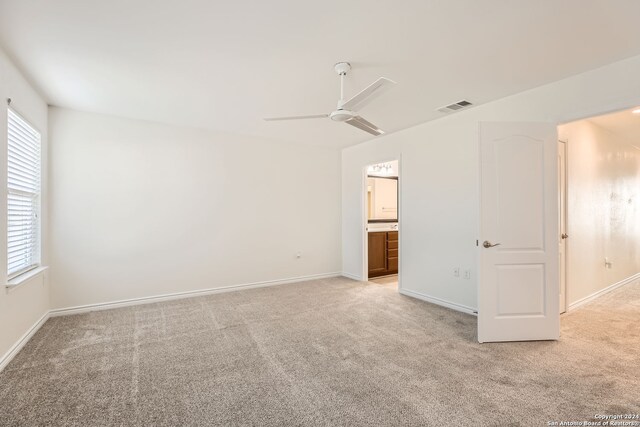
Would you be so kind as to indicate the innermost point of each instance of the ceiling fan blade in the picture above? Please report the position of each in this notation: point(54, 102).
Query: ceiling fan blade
point(365, 125)
point(316, 116)
point(368, 93)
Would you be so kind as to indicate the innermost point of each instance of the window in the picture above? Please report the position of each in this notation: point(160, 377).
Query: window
point(23, 196)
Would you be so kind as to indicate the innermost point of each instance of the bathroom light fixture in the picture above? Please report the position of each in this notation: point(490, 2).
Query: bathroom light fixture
point(380, 169)
point(636, 111)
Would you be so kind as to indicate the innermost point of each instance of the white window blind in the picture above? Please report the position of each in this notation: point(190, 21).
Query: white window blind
point(23, 196)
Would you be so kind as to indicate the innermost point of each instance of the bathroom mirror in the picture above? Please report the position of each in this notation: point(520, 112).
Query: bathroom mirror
point(382, 199)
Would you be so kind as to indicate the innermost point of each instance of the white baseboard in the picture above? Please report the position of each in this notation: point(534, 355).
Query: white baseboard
point(179, 295)
point(9, 355)
point(601, 292)
point(441, 302)
point(351, 276)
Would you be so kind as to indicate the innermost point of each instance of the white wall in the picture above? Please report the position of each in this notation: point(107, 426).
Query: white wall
point(603, 208)
point(439, 171)
point(141, 209)
point(23, 306)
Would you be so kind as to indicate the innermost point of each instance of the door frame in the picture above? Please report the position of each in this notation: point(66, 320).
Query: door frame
point(563, 219)
point(365, 220)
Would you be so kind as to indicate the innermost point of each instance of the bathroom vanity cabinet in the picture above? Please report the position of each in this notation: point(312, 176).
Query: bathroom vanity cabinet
point(383, 253)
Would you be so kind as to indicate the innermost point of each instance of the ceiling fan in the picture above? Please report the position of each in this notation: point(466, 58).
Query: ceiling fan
point(345, 111)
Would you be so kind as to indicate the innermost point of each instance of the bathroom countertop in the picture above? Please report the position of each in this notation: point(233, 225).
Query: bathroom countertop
point(381, 227)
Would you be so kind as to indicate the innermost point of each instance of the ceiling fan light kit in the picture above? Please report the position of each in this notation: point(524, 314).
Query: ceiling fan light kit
point(346, 110)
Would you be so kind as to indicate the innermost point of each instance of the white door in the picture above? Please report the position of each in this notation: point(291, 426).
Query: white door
point(518, 282)
point(562, 245)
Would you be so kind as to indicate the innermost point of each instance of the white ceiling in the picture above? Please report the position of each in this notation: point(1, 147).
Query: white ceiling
point(623, 123)
point(225, 65)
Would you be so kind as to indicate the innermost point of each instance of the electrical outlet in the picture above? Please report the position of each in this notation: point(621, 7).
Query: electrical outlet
point(467, 274)
point(456, 272)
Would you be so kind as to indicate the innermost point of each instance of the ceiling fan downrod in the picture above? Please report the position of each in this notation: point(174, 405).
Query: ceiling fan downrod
point(342, 68)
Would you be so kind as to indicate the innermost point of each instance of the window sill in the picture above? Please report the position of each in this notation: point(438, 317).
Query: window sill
point(24, 277)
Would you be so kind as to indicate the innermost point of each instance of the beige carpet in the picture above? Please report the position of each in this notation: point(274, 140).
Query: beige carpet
point(328, 352)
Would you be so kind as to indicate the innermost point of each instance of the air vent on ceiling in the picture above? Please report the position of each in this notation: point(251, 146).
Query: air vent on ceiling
point(455, 106)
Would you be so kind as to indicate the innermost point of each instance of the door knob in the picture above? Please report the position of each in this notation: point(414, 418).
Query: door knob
point(564, 235)
point(487, 244)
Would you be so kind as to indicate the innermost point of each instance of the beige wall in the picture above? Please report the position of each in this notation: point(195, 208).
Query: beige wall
point(603, 208)
point(23, 306)
point(141, 209)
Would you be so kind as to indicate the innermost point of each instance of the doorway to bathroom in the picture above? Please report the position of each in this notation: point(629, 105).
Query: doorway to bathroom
point(382, 223)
